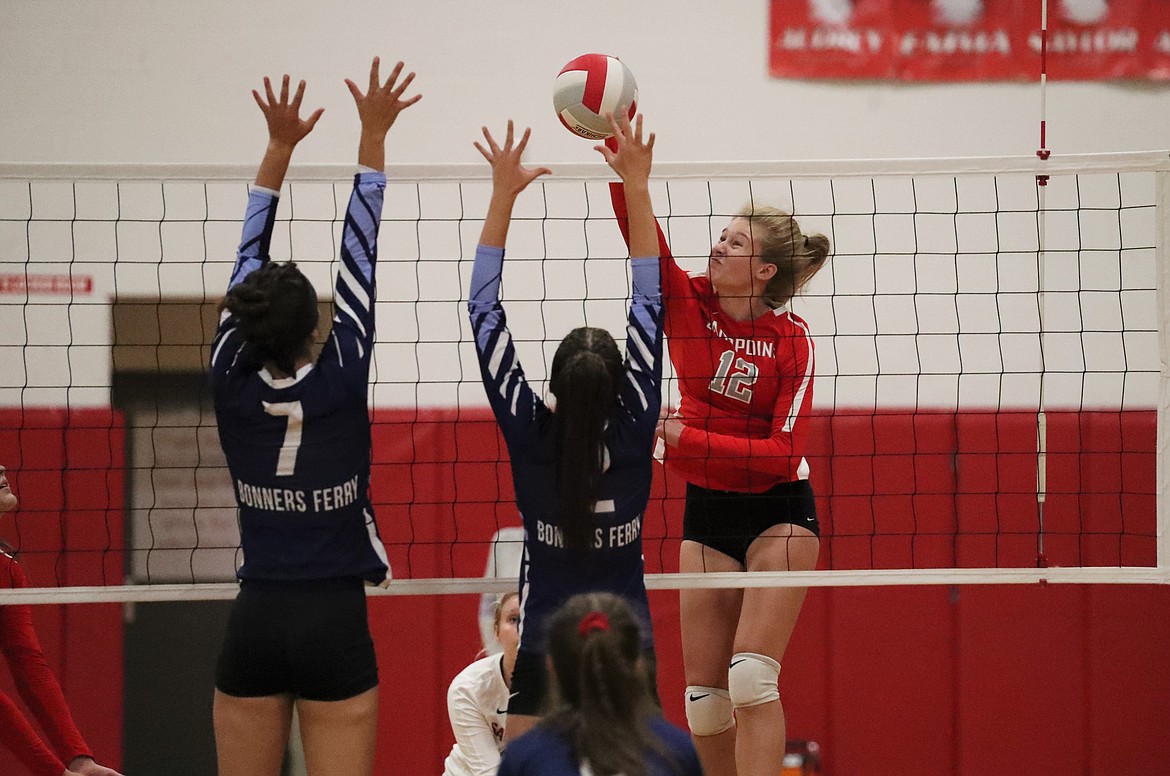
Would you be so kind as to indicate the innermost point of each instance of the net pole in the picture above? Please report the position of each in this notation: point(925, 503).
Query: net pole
point(1041, 296)
point(1162, 290)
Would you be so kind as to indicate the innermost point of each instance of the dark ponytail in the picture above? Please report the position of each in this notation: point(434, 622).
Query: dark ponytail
point(586, 374)
point(594, 643)
point(276, 306)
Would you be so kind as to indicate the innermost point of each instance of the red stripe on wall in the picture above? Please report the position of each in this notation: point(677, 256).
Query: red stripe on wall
point(909, 681)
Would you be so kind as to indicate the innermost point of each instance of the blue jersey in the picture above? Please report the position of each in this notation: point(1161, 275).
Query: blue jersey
point(298, 448)
point(546, 752)
point(550, 573)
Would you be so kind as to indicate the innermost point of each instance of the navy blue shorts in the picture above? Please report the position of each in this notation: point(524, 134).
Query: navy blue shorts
point(307, 639)
point(729, 521)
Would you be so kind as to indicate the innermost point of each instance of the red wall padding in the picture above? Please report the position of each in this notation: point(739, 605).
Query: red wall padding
point(901, 490)
point(971, 681)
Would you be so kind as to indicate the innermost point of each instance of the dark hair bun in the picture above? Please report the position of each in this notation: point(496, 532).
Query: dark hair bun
point(276, 310)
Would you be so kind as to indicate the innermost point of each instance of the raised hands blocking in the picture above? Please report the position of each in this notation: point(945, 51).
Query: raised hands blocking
point(509, 176)
point(625, 151)
point(379, 107)
point(631, 158)
point(285, 125)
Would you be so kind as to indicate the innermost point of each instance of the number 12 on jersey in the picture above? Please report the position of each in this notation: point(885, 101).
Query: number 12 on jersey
point(286, 462)
point(734, 377)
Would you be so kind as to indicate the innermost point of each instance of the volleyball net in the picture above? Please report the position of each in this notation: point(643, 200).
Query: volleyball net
point(991, 361)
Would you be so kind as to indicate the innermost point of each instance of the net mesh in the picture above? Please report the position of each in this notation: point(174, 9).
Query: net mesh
point(964, 325)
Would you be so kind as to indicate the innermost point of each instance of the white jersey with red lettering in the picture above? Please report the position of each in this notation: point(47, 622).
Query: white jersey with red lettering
point(477, 704)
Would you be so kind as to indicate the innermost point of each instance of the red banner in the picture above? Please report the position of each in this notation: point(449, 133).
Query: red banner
point(68, 285)
point(970, 40)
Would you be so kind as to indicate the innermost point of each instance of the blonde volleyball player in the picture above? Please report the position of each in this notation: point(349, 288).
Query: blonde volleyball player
point(62, 751)
point(296, 435)
point(745, 366)
point(581, 470)
point(607, 723)
point(477, 700)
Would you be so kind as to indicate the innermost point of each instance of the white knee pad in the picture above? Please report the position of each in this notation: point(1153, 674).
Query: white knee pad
point(708, 710)
point(751, 679)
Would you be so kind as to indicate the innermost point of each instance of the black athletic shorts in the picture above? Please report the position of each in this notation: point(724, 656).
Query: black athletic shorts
point(729, 521)
point(308, 639)
point(530, 690)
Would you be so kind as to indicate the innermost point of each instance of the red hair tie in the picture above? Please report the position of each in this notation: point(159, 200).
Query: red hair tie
point(591, 622)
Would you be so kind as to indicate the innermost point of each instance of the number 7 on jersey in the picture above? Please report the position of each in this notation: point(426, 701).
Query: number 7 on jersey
point(286, 462)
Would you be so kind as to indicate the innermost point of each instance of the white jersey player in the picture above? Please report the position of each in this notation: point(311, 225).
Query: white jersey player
point(477, 701)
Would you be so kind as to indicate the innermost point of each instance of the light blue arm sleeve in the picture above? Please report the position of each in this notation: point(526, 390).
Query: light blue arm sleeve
point(259, 219)
point(512, 400)
point(641, 393)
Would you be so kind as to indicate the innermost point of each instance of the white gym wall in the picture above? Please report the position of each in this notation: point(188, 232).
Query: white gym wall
point(148, 81)
point(136, 82)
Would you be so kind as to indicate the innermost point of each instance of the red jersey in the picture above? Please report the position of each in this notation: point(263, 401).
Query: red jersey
point(37, 686)
point(746, 385)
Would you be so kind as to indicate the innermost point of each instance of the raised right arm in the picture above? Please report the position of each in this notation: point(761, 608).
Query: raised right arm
point(254, 243)
point(631, 158)
point(617, 197)
point(513, 401)
point(285, 130)
point(509, 178)
point(503, 378)
point(351, 341)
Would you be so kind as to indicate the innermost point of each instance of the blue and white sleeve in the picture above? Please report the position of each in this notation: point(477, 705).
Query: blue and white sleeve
point(252, 254)
point(641, 393)
point(351, 341)
point(512, 400)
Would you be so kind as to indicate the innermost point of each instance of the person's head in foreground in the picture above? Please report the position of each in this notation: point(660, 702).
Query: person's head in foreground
point(595, 655)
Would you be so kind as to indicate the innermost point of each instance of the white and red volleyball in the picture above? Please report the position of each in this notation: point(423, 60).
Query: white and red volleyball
point(589, 87)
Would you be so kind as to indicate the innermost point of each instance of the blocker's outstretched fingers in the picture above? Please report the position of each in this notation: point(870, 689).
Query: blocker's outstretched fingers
point(616, 137)
point(492, 144)
point(375, 81)
point(389, 87)
point(398, 90)
point(296, 103)
point(606, 152)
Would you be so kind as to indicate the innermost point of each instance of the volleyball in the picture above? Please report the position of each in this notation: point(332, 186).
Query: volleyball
point(589, 87)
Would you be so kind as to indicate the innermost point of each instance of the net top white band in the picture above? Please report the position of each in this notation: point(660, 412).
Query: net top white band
point(472, 585)
point(1070, 164)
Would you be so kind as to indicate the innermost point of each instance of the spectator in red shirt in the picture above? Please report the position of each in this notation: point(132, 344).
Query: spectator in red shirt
point(65, 753)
